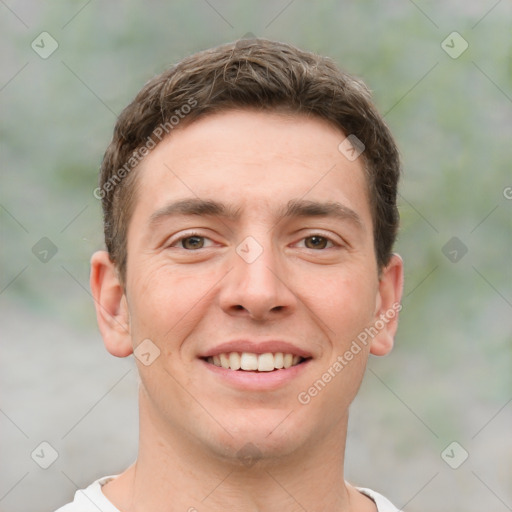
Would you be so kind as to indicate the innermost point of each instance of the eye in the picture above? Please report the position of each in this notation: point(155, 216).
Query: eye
point(317, 242)
point(191, 242)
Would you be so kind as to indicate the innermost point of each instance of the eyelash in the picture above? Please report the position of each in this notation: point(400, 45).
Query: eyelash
point(188, 235)
point(198, 235)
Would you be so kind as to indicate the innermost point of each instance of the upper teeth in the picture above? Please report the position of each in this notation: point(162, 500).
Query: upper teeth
point(249, 361)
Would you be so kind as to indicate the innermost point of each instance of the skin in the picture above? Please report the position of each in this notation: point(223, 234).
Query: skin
point(315, 293)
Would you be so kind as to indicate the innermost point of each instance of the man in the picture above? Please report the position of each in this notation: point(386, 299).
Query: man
point(249, 198)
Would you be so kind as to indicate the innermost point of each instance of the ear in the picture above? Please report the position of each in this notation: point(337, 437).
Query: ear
point(111, 305)
point(388, 306)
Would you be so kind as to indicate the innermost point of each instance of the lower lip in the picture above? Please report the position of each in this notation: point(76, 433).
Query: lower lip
point(257, 381)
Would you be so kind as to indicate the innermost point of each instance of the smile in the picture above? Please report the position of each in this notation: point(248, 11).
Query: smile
point(251, 362)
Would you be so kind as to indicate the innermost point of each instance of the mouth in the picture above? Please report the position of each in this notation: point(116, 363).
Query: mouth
point(255, 363)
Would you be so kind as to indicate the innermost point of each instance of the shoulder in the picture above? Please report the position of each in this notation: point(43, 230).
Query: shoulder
point(382, 503)
point(91, 499)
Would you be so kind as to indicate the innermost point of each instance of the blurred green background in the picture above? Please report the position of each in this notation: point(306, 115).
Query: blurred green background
point(449, 376)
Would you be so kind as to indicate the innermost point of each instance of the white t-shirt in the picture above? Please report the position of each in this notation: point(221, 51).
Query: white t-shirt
point(92, 499)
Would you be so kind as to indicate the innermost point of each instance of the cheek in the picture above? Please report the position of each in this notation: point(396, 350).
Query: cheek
point(164, 307)
point(345, 302)
point(166, 304)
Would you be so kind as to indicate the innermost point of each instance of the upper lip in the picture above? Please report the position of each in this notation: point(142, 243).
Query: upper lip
point(256, 347)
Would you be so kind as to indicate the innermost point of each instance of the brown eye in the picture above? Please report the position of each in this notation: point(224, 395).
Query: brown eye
point(316, 242)
point(192, 242)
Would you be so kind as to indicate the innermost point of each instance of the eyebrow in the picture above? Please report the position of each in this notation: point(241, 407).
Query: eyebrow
point(294, 208)
point(303, 208)
point(194, 206)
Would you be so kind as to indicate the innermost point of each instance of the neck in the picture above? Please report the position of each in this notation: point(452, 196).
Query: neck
point(176, 473)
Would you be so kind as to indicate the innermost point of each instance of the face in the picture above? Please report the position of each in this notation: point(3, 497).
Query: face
point(251, 245)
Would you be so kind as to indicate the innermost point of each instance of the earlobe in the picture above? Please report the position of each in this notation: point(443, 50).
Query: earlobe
point(389, 298)
point(111, 305)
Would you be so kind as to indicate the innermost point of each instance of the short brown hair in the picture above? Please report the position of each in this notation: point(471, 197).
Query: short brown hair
point(249, 74)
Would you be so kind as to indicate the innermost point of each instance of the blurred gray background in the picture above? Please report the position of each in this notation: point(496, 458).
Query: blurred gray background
point(69, 68)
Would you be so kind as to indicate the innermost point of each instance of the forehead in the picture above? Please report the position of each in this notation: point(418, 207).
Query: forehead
point(255, 162)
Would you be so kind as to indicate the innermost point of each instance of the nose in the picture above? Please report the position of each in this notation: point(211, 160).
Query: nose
point(258, 285)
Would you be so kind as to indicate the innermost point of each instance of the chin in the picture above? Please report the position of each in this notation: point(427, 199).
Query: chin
point(260, 435)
